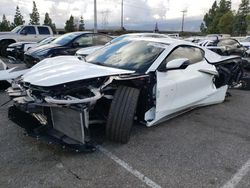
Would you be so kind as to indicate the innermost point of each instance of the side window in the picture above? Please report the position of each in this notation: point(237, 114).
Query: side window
point(85, 40)
point(43, 30)
point(101, 39)
point(29, 30)
point(194, 55)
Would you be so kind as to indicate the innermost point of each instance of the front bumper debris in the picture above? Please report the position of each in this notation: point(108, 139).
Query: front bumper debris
point(60, 126)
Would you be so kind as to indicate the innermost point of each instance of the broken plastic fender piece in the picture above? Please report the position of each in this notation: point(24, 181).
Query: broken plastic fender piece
point(211, 72)
point(74, 100)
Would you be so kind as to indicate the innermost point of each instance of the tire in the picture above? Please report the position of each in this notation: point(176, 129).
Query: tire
point(121, 114)
point(3, 47)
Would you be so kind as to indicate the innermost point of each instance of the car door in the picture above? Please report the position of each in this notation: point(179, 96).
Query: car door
point(28, 33)
point(180, 89)
point(43, 32)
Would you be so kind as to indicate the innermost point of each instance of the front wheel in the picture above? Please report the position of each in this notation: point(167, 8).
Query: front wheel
point(121, 114)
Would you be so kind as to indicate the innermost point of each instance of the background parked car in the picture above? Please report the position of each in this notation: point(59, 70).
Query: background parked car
point(17, 50)
point(33, 33)
point(86, 51)
point(246, 42)
point(228, 46)
point(66, 44)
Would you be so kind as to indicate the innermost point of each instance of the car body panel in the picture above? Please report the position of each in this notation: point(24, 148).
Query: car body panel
point(176, 93)
point(69, 70)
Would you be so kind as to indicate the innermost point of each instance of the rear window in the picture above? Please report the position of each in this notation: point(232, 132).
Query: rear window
point(43, 30)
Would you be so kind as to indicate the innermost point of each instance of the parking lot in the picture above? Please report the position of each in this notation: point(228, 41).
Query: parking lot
point(207, 147)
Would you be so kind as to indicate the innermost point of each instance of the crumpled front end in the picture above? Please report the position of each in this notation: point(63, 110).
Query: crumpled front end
point(59, 114)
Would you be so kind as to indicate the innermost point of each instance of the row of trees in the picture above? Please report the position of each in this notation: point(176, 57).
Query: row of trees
point(222, 19)
point(70, 25)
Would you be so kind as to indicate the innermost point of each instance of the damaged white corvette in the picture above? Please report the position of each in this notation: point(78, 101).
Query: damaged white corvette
point(145, 79)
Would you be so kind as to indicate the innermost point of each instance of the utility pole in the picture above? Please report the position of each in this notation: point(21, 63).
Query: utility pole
point(183, 19)
point(95, 17)
point(122, 28)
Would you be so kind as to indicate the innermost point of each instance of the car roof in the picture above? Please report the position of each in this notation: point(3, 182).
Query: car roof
point(167, 40)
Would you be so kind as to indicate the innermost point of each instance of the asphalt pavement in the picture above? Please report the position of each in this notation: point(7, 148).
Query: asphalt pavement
point(207, 147)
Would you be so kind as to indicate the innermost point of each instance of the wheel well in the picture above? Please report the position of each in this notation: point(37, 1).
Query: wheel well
point(10, 41)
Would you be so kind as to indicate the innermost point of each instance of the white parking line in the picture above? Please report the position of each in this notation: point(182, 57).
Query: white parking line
point(232, 183)
point(129, 168)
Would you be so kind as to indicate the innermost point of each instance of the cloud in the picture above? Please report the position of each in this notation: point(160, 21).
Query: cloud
point(136, 13)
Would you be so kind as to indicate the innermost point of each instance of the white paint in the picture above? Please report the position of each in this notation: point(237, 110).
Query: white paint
point(64, 69)
point(238, 176)
point(129, 168)
point(11, 74)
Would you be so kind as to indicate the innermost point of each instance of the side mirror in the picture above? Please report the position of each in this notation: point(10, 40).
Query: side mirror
point(75, 44)
point(180, 63)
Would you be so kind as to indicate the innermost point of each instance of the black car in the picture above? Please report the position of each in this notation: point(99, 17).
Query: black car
point(225, 46)
point(228, 46)
point(17, 50)
point(66, 44)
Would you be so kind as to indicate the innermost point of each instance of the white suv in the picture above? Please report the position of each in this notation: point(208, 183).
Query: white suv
point(33, 33)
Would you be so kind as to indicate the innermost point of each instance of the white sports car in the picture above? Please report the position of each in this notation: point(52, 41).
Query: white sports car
point(145, 79)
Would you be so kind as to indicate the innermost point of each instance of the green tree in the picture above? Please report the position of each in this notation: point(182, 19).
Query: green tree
point(240, 25)
point(203, 28)
point(226, 23)
point(81, 24)
point(18, 18)
point(209, 17)
point(48, 22)
point(34, 16)
point(248, 23)
point(69, 25)
point(215, 13)
point(5, 24)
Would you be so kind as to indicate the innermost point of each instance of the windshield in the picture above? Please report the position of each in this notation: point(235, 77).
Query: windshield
point(46, 40)
point(16, 29)
point(136, 55)
point(65, 39)
point(117, 39)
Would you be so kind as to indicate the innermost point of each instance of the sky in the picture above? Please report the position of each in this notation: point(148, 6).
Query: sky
point(138, 14)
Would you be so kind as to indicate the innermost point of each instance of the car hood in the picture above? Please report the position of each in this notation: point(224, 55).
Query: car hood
point(88, 50)
point(20, 44)
point(64, 69)
point(42, 48)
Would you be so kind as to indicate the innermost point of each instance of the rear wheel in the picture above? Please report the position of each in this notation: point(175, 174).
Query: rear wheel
point(121, 114)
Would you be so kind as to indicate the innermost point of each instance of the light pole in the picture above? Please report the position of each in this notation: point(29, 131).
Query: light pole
point(183, 19)
point(95, 17)
point(122, 15)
